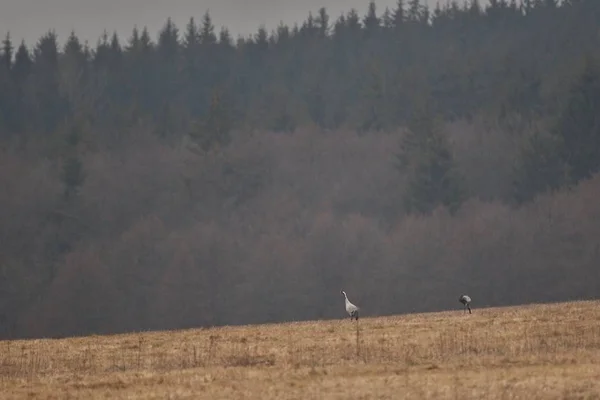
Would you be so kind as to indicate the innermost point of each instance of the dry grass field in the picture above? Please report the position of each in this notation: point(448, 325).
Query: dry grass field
point(528, 352)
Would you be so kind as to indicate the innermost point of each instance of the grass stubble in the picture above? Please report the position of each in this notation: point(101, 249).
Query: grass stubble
point(528, 352)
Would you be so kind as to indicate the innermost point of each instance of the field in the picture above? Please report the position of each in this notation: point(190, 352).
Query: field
point(527, 352)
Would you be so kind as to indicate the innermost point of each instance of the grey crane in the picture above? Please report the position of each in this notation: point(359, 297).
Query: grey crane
point(351, 309)
point(466, 301)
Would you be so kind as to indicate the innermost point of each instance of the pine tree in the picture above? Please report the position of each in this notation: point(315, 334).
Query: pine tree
point(374, 107)
point(282, 33)
point(46, 76)
point(46, 52)
point(6, 89)
point(539, 168)
point(425, 15)
point(387, 20)
point(74, 54)
point(579, 124)
point(207, 32)
point(191, 37)
point(414, 12)
point(353, 22)
point(73, 175)
point(216, 127)
point(7, 52)
point(475, 10)
point(167, 67)
point(133, 44)
point(225, 39)
point(23, 62)
point(191, 43)
point(399, 15)
point(146, 44)
point(322, 22)
point(371, 21)
point(73, 47)
point(115, 44)
point(261, 39)
point(73, 73)
point(116, 53)
point(168, 42)
point(309, 27)
point(101, 54)
point(425, 157)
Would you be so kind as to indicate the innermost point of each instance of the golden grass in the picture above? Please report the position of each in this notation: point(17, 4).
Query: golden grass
point(528, 352)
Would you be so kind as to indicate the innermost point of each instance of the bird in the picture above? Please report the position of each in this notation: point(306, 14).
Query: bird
point(466, 301)
point(351, 309)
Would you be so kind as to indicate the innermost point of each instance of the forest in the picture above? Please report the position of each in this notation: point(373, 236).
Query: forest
point(186, 178)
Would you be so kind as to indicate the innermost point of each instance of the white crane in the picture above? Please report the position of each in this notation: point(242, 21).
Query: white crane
point(466, 301)
point(351, 309)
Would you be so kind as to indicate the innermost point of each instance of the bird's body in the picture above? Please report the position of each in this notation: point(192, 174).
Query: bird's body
point(466, 301)
point(351, 309)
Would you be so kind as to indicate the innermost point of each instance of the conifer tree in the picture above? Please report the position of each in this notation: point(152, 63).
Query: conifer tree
point(261, 39)
point(168, 42)
point(23, 63)
point(387, 20)
point(101, 54)
point(73, 47)
point(191, 43)
point(6, 56)
point(215, 129)
point(578, 126)
point(146, 44)
point(539, 168)
point(73, 175)
point(309, 27)
point(225, 39)
point(353, 22)
point(207, 32)
point(50, 103)
point(322, 22)
point(414, 12)
point(425, 157)
point(21, 72)
point(399, 14)
point(371, 21)
point(115, 46)
point(191, 36)
point(133, 44)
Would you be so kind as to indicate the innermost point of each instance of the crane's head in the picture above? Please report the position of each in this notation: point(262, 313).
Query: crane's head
point(342, 292)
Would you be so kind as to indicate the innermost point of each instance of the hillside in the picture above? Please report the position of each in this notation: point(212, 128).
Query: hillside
point(167, 180)
point(534, 352)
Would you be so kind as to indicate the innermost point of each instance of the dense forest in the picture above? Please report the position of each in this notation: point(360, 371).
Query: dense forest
point(406, 156)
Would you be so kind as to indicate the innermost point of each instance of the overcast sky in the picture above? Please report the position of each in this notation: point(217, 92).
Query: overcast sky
point(29, 19)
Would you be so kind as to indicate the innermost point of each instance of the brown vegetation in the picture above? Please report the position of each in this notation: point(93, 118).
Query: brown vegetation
point(535, 352)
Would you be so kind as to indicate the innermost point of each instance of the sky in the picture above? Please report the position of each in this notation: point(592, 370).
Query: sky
point(29, 19)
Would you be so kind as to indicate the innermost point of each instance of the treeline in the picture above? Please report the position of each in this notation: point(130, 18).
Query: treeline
point(198, 180)
point(510, 62)
point(363, 72)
